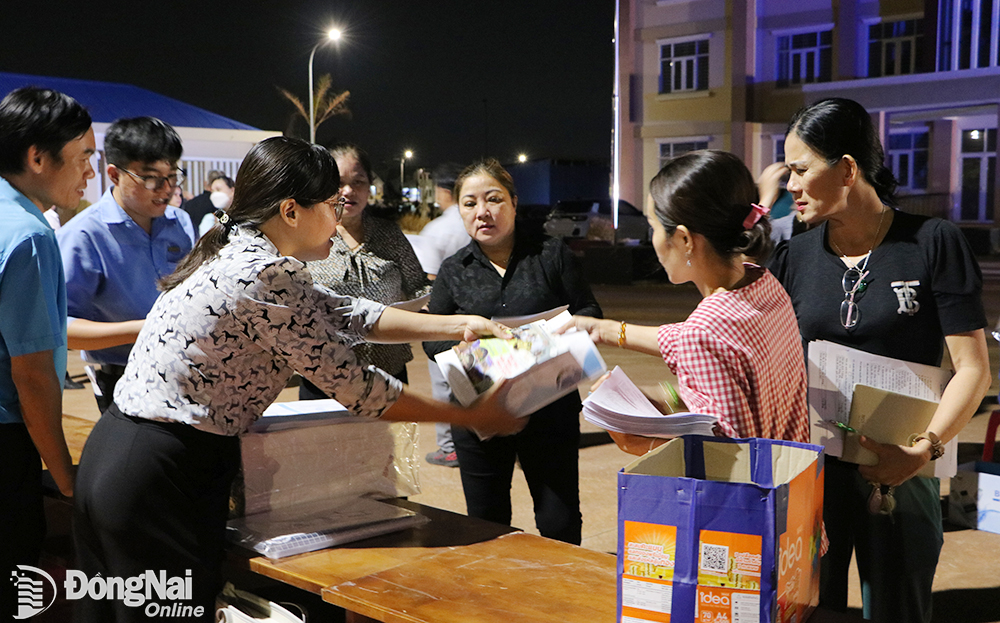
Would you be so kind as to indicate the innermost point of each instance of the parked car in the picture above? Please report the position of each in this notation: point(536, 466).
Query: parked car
point(592, 218)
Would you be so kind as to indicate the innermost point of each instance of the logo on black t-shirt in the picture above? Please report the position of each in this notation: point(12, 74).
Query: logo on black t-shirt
point(907, 295)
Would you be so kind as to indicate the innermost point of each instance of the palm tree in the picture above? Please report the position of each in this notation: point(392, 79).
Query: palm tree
point(326, 102)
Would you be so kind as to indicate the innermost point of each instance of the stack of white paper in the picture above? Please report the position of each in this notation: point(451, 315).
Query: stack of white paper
point(301, 414)
point(619, 406)
point(316, 525)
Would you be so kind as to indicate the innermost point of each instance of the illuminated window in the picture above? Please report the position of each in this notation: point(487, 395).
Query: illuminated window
point(684, 65)
point(978, 170)
point(805, 58)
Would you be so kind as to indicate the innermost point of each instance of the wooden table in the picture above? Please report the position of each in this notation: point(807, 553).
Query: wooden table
point(456, 569)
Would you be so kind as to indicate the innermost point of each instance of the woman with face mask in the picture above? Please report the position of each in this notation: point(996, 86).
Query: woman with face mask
point(892, 284)
point(221, 198)
point(508, 270)
point(738, 354)
point(370, 258)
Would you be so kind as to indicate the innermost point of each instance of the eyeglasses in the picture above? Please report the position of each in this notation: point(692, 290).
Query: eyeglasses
point(854, 284)
point(338, 206)
point(156, 182)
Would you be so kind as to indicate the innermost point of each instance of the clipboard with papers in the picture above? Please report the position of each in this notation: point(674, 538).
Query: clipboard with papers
point(885, 417)
point(834, 373)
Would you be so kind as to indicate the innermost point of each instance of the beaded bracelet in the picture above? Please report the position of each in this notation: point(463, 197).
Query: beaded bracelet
point(621, 336)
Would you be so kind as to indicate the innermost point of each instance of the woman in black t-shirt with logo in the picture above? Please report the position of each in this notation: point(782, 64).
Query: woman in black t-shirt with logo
point(891, 284)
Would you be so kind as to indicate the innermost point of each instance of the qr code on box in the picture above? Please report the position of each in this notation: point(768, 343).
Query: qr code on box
point(715, 558)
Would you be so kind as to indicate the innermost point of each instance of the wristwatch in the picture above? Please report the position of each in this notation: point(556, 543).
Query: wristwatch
point(937, 448)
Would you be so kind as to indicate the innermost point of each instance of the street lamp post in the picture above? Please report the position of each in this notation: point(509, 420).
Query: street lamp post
point(332, 35)
point(406, 154)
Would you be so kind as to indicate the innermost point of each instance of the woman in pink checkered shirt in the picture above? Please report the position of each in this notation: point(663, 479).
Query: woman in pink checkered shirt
point(739, 353)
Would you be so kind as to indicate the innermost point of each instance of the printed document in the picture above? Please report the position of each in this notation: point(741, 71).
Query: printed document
point(834, 370)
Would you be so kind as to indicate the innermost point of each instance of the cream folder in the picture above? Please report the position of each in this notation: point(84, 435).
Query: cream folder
point(885, 417)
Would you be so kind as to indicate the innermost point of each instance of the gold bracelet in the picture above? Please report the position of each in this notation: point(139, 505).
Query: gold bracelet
point(937, 447)
point(621, 336)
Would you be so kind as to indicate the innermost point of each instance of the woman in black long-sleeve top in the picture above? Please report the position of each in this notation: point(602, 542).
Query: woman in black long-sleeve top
point(510, 271)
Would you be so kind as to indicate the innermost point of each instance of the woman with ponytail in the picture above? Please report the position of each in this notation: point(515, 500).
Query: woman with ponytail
point(236, 318)
point(892, 284)
point(738, 354)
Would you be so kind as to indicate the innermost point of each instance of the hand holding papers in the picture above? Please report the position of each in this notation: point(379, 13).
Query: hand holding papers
point(619, 406)
point(835, 370)
point(541, 367)
point(885, 417)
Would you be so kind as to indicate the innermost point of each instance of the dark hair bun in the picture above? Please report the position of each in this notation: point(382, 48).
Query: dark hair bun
point(710, 192)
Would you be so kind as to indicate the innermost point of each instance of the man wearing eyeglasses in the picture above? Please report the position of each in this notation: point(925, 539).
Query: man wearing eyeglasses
point(115, 251)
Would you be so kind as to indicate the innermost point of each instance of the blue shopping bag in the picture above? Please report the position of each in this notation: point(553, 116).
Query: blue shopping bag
point(720, 530)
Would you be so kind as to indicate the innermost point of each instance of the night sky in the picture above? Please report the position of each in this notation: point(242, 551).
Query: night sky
point(449, 79)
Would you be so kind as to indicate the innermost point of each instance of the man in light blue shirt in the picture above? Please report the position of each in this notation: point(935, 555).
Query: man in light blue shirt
point(46, 143)
point(114, 252)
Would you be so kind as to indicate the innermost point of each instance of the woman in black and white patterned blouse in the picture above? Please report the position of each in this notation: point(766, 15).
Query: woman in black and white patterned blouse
point(371, 258)
point(237, 317)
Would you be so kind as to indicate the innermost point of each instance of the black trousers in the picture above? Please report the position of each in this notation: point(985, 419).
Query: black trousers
point(22, 514)
point(152, 496)
point(548, 450)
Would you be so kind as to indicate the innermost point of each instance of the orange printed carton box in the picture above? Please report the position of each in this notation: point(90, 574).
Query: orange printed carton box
point(720, 531)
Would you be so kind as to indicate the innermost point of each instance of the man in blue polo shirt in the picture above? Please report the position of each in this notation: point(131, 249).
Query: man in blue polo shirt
point(115, 251)
point(46, 143)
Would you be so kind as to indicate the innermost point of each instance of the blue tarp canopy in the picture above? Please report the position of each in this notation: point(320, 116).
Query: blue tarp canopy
point(108, 101)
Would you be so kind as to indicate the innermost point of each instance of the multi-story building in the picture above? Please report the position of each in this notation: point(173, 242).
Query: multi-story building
point(728, 74)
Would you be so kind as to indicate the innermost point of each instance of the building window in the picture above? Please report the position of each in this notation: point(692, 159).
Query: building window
point(908, 159)
point(893, 47)
point(968, 33)
point(804, 58)
point(684, 66)
point(672, 149)
point(779, 148)
point(978, 171)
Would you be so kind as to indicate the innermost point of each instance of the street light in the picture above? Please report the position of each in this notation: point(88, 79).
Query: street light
point(522, 158)
point(333, 35)
point(406, 155)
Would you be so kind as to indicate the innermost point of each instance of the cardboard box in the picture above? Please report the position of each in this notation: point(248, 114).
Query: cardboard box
point(713, 529)
point(974, 498)
point(287, 467)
